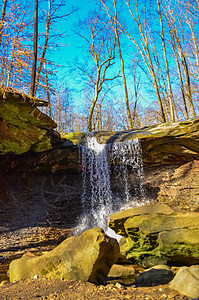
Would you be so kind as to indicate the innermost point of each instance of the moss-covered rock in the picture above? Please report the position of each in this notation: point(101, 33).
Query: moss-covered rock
point(23, 126)
point(157, 234)
point(87, 257)
point(75, 137)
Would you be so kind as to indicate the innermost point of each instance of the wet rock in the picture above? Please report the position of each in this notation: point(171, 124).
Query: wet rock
point(87, 257)
point(186, 281)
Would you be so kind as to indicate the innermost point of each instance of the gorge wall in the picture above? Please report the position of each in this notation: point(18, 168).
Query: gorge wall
point(40, 171)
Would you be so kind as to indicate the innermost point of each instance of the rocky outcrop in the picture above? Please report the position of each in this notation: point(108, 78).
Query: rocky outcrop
point(175, 185)
point(186, 282)
point(87, 257)
point(156, 234)
point(23, 126)
point(161, 144)
point(170, 154)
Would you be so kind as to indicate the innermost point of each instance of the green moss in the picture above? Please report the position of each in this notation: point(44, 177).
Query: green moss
point(44, 272)
point(75, 137)
point(15, 147)
point(23, 126)
point(42, 145)
point(148, 242)
point(182, 249)
point(50, 266)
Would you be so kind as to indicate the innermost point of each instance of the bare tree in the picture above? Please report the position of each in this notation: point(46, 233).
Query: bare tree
point(52, 16)
point(48, 91)
point(170, 96)
point(173, 43)
point(183, 60)
point(16, 55)
point(34, 64)
point(101, 44)
point(113, 16)
point(144, 49)
point(2, 19)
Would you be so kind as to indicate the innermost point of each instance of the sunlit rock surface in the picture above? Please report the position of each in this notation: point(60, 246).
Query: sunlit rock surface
point(87, 257)
point(161, 144)
point(186, 281)
point(156, 234)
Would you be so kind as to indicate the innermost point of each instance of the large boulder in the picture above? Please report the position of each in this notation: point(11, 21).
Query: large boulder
point(186, 281)
point(157, 234)
point(87, 257)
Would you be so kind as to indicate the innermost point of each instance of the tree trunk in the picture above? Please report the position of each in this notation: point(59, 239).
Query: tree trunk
point(34, 64)
point(48, 91)
point(146, 54)
point(171, 108)
point(97, 91)
point(45, 45)
point(155, 83)
point(122, 69)
point(3, 66)
point(2, 19)
point(179, 69)
point(59, 113)
point(186, 72)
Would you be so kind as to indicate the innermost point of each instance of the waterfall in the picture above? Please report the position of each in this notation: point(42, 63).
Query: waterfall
point(101, 165)
point(96, 197)
point(126, 158)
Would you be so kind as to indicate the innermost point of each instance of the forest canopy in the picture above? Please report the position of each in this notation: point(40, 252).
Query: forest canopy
point(104, 64)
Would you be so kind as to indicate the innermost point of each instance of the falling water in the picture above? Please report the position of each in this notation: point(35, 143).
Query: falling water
point(127, 156)
point(98, 160)
point(96, 197)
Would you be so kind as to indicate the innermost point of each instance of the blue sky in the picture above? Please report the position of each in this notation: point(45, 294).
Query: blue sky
point(73, 47)
point(72, 43)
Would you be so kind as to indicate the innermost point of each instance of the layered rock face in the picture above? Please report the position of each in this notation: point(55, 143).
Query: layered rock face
point(23, 126)
point(161, 144)
point(170, 154)
point(40, 180)
point(88, 257)
point(156, 234)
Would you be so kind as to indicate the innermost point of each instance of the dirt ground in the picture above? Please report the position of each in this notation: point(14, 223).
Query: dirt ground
point(74, 290)
point(38, 239)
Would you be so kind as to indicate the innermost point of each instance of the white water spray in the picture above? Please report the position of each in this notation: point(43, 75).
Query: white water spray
point(96, 197)
point(127, 156)
point(98, 200)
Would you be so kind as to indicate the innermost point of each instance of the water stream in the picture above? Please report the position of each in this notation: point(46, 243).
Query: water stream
point(105, 175)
